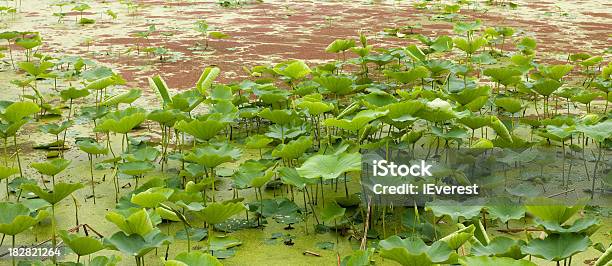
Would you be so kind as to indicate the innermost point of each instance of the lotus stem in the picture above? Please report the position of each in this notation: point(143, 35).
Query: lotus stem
point(213, 184)
point(6, 152)
point(53, 240)
point(17, 153)
point(322, 193)
point(210, 236)
point(76, 212)
point(188, 238)
point(345, 187)
point(13, 246)
point(595, 170)
point(93, 184)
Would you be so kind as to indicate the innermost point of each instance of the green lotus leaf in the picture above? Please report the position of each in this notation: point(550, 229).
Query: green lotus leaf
point(206, 79)
point(122, 121)
point(463, 27)
point(127, 98)
point(500, 129)
point(158, 85)
point(558, 133)
point(415, 53)
point(476, 104)
point(186, 101)
point(16, 218)
point(152, 197)
point(315, 108)
point(442, 43)
point(261, 179)
point(202, 130)
point(294, 149)
point(468, 95)
point(547, 209)
point(409, 76)
point(505, 209)
point(167, 214)
point(546, 87)
point(218, 243)
point(92, 147)
point(193, 258)
point(275, 208)
point(221, 92)
point(379, 59)
point(147, 153)
point(340, 45)
point(586, 97)
point(357, 122)
point(102, 83)
point(270, 94)
point(404, 111)
point(280, 117)
point(60, 191)
point(166, 117)
point(137, 222)
point(332, 211)
point(358, 258)
point(587, 225)
point(249, 171)
point(555, 72)
point(8, 35)
point(498, 261)
point(36, 70)
point(56, 129)
point(216, 212)
point(290, 176)
point(598, 132)
point(414, 252)
point(482, 144)
point(483, 58)
point(19, 110)
point(456, 239)
point(112, 260)
point(378, 98)
point(476, 121)
point(510, 104)
point(500, 246)
point(453, 209)
point(6, 172)
point(211, 156)
point(294, 70)
point(135, 168)
point(589, 62)
point(28, 43)
point(10, 129)
point(469, 46)
point(282, 132)
point(412, 136)
point(73, 93)
point(330, 166)
point(452, 133)
point(257, 141)
point(52, 167)
point(557, 247)
point(437, 110)
point(81, 245)
point(135, 244)
point(218, 35)
point(504, 75)
point(335, 84)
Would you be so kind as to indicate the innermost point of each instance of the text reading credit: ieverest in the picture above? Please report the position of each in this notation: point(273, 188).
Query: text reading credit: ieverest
point(423, 169)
